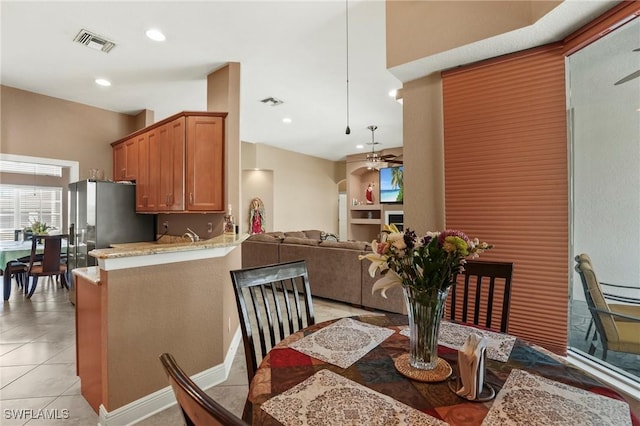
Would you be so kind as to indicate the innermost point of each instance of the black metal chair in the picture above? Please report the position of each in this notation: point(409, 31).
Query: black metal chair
point(477, 299)
point(198, 408)
point(267, 296)
point(630, 305)
point(617, 326)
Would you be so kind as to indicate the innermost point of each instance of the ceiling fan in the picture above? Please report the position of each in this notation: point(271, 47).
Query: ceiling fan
point(631, 76)
point(374, 159)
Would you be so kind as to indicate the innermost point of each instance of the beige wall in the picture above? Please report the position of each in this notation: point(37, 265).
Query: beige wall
point(305, 188)
point(223, 95)
point(444, 25)
point(42, 126)
point(257, 183)
point(423, 154)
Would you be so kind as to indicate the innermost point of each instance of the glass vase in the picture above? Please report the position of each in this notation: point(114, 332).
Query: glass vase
point(425, 309)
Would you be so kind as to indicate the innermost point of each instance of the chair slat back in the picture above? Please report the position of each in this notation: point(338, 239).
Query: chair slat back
point(273, 302)
point(197, 407)
point(485, 284)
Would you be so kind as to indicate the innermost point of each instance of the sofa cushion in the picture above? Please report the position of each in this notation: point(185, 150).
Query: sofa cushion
point(268, 238)
point(278, 234)
point(296, 234)
point(302, 241)
point(314, 234)
point(353, 245)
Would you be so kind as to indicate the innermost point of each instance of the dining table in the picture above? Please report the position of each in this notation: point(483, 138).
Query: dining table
point(12, 251)
point(343, 371)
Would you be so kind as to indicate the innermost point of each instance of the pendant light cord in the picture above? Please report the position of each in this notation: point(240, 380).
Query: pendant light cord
point(348, 130)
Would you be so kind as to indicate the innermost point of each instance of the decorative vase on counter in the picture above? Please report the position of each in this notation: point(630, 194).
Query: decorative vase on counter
point(425, 308)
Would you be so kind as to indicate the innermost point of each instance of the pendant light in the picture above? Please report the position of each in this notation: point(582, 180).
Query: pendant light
point(347, 130)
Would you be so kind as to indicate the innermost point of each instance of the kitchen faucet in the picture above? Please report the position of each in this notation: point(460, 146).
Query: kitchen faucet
point(192, 235)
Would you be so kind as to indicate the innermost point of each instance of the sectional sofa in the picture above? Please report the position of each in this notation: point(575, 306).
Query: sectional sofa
point(335, 272)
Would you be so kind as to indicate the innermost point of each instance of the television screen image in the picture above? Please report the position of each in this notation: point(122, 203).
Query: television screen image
point(391, 185)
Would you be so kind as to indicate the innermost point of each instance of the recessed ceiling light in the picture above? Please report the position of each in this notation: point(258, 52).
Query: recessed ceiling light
point(103, 82)
point(286, 120)
point(393, 93)
point(155, 35)
point(360, 146)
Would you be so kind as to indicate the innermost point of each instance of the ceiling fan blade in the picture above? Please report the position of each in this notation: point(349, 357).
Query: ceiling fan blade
point(628, 78)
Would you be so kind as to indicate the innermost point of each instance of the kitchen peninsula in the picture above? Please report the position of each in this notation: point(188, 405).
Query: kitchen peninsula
point(144, 299)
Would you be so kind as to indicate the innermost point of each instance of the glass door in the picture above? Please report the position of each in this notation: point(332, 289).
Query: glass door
point(603, 83)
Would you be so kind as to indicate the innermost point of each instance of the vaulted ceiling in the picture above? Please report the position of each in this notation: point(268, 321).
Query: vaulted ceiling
point(294, 51)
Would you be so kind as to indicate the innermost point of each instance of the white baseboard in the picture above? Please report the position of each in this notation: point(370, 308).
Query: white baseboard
point(162, 399)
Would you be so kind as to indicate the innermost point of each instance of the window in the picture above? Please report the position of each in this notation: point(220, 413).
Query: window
point(20, 205)
point(604, 122)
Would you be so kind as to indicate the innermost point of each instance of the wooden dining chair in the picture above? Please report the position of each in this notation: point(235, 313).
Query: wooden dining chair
point(273, 302)
point(51, 263)
point(486, 285)
point(617, 325)
point(198, 408)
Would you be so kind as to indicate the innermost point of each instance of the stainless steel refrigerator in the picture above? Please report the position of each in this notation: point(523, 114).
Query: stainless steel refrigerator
point(102, 213)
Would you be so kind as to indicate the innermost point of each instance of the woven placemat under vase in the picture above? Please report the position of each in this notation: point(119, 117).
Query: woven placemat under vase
point(441, 373)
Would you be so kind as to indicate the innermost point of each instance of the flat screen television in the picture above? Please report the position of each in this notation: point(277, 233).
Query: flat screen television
point(391, 185)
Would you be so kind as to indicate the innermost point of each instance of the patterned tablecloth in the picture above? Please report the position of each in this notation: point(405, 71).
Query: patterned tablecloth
point(284, 367)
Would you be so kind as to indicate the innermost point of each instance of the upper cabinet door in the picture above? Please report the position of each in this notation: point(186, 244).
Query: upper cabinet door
point(205, 164)
point(119, 162)
point(125, 160)
point(131, 159)
point(172, 148)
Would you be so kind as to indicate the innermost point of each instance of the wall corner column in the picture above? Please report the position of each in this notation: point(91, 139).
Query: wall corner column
point(423, 152)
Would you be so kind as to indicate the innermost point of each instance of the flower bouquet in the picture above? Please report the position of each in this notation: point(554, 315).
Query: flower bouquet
point(425, 267)
point(37, 228)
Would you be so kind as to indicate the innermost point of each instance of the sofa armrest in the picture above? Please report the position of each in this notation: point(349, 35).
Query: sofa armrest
point(259, 253)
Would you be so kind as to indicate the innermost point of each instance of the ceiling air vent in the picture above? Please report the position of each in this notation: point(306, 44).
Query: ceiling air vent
point(271, 101)
point(94, 41)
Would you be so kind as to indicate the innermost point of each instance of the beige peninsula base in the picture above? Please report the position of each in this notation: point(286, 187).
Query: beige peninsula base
point(178, 301)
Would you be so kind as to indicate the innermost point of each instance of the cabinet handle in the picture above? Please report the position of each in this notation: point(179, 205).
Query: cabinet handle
point(191, 198)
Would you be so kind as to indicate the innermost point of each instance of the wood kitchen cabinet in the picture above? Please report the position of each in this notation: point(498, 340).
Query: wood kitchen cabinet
point(148, 171)
point(171, 180)
point(180, 163)
point(205, 158)
point(125, 160)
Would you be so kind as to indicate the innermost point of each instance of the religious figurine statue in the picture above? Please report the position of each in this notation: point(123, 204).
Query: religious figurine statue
point(256, 216)
point(369, 194)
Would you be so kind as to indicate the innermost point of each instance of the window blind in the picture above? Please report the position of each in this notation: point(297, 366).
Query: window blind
point(506, 179)
point(21, 205)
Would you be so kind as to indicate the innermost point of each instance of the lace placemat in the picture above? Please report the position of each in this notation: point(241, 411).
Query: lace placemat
point(527, 399)
point(343, 342)
point(326, 398)
point(454, 335)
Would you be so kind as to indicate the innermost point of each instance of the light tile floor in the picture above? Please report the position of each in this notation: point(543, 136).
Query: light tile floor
point(38, 370)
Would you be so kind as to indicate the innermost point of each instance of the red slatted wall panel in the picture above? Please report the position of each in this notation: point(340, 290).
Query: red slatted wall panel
point(506, 179)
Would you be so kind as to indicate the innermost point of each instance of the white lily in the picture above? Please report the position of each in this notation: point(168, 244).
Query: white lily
point(389, 280)
point(378, 261)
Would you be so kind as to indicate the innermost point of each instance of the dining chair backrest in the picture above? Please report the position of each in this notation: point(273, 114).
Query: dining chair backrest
point(198, 408)
point(274, 301)
point(51, 262)
point(486, 288)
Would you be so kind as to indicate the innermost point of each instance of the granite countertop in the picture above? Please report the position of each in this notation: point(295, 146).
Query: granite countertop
point(91, 273)
point(149, 247)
